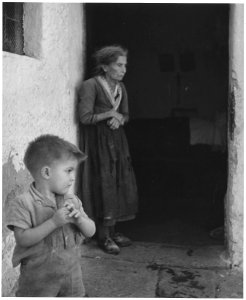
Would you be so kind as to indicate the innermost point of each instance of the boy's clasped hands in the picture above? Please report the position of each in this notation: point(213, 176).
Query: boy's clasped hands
point(67, 214)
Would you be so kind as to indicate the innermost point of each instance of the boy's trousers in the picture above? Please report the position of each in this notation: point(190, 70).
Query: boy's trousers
point(37, 281)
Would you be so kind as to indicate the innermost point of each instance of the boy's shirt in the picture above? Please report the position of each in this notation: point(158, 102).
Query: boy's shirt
point(61, 247)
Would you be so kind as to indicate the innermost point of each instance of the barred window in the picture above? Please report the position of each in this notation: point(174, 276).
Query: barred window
point(13, 40)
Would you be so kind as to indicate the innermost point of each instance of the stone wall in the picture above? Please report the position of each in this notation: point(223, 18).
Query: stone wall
point(39, 97)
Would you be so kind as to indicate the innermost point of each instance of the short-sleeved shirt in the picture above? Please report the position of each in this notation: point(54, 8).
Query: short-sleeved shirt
point(60, 250)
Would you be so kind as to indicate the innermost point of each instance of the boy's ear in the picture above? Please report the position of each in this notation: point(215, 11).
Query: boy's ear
point(45, 172)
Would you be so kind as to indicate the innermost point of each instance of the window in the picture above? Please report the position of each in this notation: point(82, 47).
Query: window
point(13, 39)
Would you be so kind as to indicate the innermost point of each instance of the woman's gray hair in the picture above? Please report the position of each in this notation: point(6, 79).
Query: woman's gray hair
point(106, 56)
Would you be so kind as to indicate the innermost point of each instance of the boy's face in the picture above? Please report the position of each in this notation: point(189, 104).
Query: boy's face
point(62, 175)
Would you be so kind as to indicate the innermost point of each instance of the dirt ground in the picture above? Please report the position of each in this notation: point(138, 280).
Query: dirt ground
point(150, 270)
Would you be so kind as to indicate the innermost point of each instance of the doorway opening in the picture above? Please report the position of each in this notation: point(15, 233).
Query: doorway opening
point(177, 83)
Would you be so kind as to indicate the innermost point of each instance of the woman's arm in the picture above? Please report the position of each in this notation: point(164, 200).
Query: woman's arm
point(104, 116)
point(87, 95)
point(124, 109)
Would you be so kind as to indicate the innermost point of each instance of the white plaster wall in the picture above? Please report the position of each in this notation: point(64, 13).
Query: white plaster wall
point(39, 96)
point(235, 195)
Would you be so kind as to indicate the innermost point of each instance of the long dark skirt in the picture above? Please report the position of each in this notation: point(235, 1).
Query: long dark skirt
point(108, 184)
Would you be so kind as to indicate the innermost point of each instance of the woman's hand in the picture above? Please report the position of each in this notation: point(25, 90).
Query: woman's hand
point(118, 116)
point(113, 123)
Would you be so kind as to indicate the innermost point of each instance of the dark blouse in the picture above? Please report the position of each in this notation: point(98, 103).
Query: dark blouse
point(94, 100)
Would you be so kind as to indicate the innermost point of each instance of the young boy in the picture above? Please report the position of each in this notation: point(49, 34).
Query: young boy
point(48, 223)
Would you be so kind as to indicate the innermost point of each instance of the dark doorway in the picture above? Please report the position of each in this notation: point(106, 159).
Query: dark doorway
point(177, 83)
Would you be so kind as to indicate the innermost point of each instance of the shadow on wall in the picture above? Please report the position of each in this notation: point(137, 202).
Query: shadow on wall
point(14, 181)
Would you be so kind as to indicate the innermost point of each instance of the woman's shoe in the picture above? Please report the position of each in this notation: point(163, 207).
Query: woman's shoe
point(121, 240)
point(109, 246)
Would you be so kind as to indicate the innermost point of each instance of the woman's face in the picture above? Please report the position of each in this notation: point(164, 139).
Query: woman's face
point(116, 70)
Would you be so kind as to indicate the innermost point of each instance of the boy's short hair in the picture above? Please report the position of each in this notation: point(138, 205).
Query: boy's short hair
point(47, 148)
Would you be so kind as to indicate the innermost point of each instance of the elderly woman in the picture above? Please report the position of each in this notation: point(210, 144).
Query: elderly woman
point(108, 186)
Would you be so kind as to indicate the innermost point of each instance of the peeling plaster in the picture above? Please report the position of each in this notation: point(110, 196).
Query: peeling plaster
point(17, 162)
point(15, 180)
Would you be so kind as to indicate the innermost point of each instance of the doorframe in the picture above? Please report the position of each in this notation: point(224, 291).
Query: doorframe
point(234, 215)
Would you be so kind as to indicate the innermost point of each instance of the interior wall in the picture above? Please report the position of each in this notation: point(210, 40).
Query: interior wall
point(150, 31)
point(159, 79)
point(39, 97)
